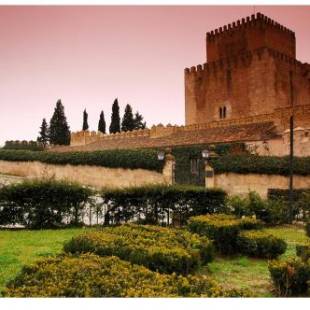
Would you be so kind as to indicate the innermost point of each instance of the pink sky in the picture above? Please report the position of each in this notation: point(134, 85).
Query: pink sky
point(87, 56)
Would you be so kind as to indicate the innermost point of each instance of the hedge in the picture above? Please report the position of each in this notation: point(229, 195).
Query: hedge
point(23, 145)
point(42, 204)
point(222, 228)
point(245, 164)
point(291, 277)
point(147, 159)
point(128, 159)
point(159, 249)
point(270, 211)
point(260, 244)
point(161, 204)
point(93, 276)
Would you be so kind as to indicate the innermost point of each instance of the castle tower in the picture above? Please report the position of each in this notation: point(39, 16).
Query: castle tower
point(251, 70)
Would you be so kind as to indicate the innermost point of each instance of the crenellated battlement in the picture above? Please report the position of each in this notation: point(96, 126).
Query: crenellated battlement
point(245, 59)
point(251, 21)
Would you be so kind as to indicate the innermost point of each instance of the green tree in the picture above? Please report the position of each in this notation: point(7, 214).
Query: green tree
point(128, 123)
point(85, 120)
point(43, 134)
point(138, 121)
point(59, 132)
point(101, 124)
point(115, 125)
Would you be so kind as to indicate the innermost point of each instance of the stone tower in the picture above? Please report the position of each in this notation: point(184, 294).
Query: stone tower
point(251, 70)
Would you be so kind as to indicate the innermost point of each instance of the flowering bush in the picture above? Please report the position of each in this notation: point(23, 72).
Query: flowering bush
point(160, 249)
point(290, 278)
point(222, 228)
point(260, 244)
point(89, 275)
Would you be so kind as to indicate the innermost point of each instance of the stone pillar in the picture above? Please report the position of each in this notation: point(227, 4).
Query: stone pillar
point(209, 176)
point(169, 169)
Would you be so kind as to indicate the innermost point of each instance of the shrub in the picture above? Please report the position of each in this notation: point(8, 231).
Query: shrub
point(23, 145)
point(223, 229)
point(290, 278)
point(303, 251)
point(272, 212)
point(157, 248)
point(93, 276)
point(301, 199)
point(128, 159)
point(260, 164)
point(42, 204)
point(308, 229)
point(260, 244)
point(159, 204)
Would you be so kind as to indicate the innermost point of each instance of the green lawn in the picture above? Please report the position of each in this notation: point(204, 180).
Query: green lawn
point(18, 248)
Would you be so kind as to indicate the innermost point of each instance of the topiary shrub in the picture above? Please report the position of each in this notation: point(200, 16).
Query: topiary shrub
point(303, 251)
point(222, 228)
point(290, 278)
point(42, 204)
point(89, 275)
point(157, 248)
point(260, 244)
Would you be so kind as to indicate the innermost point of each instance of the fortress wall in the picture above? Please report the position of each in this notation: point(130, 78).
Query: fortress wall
point(97, 177)
point(241, 184)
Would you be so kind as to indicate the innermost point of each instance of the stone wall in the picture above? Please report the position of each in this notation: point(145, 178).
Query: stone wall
point(235, 184)
point(93, 176)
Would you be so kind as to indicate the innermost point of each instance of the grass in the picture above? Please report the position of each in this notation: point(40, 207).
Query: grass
point(18, 248)
point(250, 273)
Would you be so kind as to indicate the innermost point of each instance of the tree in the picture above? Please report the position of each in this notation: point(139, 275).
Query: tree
point(85, 120)
point(101, 124)
point(138, 121)
point(115, 118)
point(128, 123)
point(59, 132)
point(43, 134)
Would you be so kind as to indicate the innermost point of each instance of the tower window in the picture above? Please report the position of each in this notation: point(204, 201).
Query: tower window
point(222, 112)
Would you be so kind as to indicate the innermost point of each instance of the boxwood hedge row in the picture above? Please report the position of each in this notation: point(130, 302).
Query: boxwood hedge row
point(158, 248)
point(147, 159)
point(89, 275)
point(128, 159)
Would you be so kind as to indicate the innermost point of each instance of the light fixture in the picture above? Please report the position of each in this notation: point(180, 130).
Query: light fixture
point(161, 155)
point(205, 154)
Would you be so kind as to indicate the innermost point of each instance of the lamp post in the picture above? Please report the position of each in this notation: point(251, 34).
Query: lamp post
point(291, 172)
point(209, 171)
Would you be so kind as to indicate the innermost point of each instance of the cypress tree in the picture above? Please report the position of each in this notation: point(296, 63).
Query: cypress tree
point(43, 134)
point(128, 123)
point(59, 132)
point(115, 118)
point(138, 121)
point(85, 120)
point(101, 124)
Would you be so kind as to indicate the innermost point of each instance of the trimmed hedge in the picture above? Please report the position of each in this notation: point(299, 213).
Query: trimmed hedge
point(23, 145)
point(222, 228)
point(159, 249)
point(290, 278)
point(93, 276)
point(42, 204)
point(128, 159)
point(159, 204)
point(245, 164)
point(260, 244)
